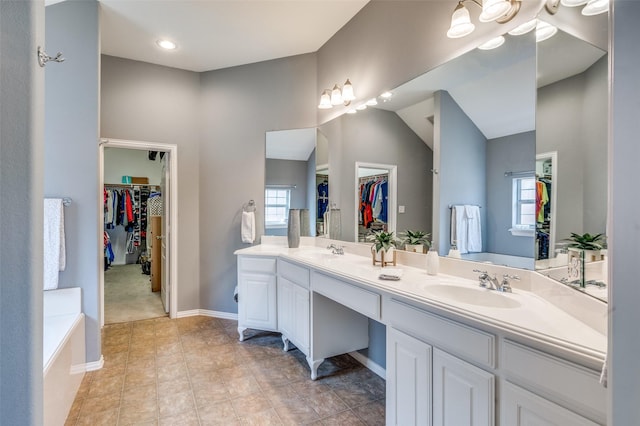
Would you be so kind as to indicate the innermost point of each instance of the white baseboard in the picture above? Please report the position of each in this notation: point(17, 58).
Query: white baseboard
point(95, 365)
point(376, 368)
point(208, 313)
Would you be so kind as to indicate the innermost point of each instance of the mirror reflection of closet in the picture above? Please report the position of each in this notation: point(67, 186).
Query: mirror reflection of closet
point(546, 183)
point(375, 199)
point(322, 184)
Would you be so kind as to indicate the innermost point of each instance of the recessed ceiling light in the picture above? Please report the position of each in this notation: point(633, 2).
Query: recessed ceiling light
point(544, 31)
point(386, 95)
point(372, 102)
point(351, 111)
point(361, 107)
point(166, 44)
point(524, 28)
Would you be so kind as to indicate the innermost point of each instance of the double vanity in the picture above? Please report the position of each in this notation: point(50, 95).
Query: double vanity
point(456, 353)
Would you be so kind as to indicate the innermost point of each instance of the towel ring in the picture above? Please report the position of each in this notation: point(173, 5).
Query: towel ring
point(250, 206)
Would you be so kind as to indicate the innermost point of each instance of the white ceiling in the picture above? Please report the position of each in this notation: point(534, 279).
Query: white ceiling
point(214, 34)
point(297, 144)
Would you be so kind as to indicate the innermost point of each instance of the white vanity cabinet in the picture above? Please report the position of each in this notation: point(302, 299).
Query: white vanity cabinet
point(409, 380)
point(293, 305)
point(257, 303)
point(425, 384)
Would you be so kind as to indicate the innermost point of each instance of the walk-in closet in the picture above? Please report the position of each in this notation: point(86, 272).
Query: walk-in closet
point(133, 232)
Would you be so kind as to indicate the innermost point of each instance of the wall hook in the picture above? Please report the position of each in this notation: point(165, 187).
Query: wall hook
point(43, 58)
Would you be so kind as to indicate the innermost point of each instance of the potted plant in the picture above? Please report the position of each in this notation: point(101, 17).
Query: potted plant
point(591, 244)
point(383, 248)
point(415, 241)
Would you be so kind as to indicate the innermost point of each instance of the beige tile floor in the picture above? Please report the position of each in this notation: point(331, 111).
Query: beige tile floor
point(193, 371)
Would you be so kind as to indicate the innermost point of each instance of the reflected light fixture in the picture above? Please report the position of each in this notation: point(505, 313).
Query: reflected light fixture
point(337, 96)
point(595, 7)
point(524, 28)
point(500, 11)
point(386, 96)
point(166, 44)
point(591, 7)
point(372, 102)
point(492, 44)
point(544, 31)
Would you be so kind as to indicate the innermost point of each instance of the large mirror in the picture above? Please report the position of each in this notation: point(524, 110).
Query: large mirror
point(477, 136)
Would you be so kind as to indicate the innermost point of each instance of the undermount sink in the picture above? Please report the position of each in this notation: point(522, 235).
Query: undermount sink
point(314, 255)
point(473, 296)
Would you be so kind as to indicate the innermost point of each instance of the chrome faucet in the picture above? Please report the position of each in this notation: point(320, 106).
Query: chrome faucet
point(486, 281)
point(505, 285)
point(336, 249)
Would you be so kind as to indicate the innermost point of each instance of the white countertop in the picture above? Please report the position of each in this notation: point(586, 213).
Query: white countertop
point(521, 312)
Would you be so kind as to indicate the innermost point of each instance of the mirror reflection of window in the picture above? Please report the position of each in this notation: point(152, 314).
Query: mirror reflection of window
point(277, 203)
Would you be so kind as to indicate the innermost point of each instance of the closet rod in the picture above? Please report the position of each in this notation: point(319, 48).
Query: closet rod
point(522, 173)
point(453, 205)
point(130, 185)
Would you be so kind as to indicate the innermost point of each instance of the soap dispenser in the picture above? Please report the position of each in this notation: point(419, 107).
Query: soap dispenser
point(433, 260)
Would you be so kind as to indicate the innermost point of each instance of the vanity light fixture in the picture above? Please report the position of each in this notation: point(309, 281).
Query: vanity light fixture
point(544, 31)
point(492, 44)
point(595, 7)
point(337, 96)
point(591, 7)
point(166, 44)
point(524, 28)
point(500, 11)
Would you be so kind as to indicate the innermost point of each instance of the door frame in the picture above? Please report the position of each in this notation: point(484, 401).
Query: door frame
point(172, 214)
point(553, 156)
point(392, 195)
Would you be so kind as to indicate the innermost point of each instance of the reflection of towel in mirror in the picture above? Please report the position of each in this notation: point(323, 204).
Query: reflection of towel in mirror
point(54, 244)
point(248, 227)
point(474, 234)
point(459, 228)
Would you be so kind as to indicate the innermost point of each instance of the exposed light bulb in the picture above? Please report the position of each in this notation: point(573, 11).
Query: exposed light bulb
point(460, 23)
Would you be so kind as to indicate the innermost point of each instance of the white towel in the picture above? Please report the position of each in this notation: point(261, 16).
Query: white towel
point(248, 228)
point(54, 245)
point(474, 233)
point(459, 228)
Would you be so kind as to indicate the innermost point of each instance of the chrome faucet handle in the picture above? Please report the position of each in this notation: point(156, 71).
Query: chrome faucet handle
point(483, 278)
point(505, 285)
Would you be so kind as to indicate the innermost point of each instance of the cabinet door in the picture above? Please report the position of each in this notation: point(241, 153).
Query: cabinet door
point(285, 307)
point(408, 380)
point(293, 313)
point(301, 318)
point(463, 394)
point(523, 408)
point(257, 301)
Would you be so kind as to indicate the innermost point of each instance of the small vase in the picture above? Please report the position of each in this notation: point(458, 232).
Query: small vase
point(433, 262)
point(293, 228)
point(383, 257)
point(305, 227)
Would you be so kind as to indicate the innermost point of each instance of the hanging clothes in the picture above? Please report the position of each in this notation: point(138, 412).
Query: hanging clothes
point(542, 198)
point(323, 198)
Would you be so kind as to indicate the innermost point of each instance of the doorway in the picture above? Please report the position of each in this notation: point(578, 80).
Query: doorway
point(139, 184)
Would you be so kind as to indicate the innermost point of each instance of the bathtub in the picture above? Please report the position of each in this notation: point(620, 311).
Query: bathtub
point(501, 259)
point(63, 360)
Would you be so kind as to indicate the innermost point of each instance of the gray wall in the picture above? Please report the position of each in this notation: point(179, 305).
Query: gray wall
point(145, 102)
point(571, 118)
point(71, 149)
point(312, 193)
point(461, 151)
point(288, 172)
point(120, 162)
point(379, 136)
point(624, 226)
point(238, 106)
point(21, 180)
point(509, 153)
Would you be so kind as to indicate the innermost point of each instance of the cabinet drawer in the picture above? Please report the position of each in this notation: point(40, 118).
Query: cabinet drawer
point(360, 300)
point(561, 381)
point(469, 343)
point(294, 273)
point(265, 265)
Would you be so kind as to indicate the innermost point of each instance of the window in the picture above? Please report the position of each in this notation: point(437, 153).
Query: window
point(524, 207)
point(276, 207)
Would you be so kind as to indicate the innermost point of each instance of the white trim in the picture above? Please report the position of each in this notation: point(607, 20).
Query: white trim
point(208, 313)
point(554, 191)
point(376, 368)
point(172, 149)
point(393, 194)
point(95, 365)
